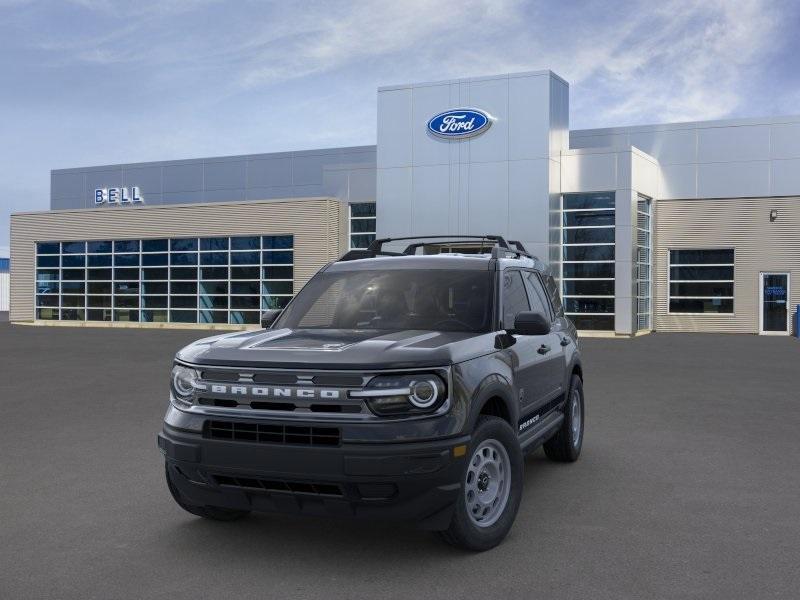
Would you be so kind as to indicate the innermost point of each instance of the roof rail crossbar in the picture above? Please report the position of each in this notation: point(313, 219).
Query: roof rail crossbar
point(500, 248)
point(519, 246)
point(359, 253)
point(449, 241)
point(377, 245)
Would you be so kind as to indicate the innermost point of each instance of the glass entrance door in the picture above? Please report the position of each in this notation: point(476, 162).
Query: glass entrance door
point(774, 317)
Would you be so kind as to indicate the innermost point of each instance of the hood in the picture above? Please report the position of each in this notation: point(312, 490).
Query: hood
point(337, 349)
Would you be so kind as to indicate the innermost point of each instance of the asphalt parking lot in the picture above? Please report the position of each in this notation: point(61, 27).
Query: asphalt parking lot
point(688, 487)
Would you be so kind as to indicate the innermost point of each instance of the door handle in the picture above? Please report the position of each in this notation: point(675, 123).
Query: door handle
point(543, 349)
point(565, 341)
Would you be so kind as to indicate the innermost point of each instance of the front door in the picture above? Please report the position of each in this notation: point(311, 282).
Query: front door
point(774, 304)
point(530, 353)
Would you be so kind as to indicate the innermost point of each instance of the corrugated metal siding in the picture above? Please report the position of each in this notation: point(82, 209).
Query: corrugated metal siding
point(742, 224)
point(3, 291)
point(316, 224)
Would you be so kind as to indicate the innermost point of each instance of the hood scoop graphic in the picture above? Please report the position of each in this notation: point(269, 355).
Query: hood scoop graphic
point(326, 340)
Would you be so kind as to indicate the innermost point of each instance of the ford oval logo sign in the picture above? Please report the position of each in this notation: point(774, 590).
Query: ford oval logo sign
point(459, 123)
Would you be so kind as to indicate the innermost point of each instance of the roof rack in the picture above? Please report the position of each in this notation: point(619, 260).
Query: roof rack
point(500, 248)
point(359, 253)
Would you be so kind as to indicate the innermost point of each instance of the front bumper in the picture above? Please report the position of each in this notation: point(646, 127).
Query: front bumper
point(408, 481)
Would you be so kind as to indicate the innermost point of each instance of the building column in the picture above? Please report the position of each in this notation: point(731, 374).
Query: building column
point(625, 259)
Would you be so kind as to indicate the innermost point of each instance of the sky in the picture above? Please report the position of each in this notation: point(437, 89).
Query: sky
point(93, 82)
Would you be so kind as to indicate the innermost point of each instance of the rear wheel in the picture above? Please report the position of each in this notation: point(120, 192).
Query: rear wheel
point(492, 488)
point(565, 445)
point(216, 513)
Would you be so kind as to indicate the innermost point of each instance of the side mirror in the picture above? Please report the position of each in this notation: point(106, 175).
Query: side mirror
point(531, 323)
point(268, 317)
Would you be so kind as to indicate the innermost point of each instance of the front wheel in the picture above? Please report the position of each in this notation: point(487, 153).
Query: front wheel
point(491, 488)
point(565, 445)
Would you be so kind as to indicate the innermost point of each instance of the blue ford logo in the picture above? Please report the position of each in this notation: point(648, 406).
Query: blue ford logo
point(460, 123)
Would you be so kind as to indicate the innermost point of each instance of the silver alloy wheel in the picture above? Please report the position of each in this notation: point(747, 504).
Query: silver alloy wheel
point(576, 418)
point(488, 483)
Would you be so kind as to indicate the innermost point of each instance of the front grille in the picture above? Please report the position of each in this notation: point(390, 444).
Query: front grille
point(272, 434)
point(283, 391)
point(222, 376)
point(272, 485)
point(338, 380)
point(281, 378)
point(328, 407)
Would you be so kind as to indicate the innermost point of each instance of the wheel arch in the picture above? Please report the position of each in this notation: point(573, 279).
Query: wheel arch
point(577, 369)
point(494, 397)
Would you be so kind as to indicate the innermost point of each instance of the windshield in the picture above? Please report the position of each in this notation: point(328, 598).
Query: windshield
point(434, 300)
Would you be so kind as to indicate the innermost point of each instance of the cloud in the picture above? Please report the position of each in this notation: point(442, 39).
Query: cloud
point(100, 81)
point(626, 60)
point(689, 61)
point(328, 37)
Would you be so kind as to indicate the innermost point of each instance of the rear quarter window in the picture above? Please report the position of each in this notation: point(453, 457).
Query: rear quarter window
point(552, 291)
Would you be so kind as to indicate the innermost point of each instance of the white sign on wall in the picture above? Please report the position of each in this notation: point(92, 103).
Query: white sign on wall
point(121, 195)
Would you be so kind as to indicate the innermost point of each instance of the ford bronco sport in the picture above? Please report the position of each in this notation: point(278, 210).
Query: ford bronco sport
point(400, 385)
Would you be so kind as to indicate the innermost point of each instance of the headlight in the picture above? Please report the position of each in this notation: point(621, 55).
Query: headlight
point(183, 383)
point(403, 394)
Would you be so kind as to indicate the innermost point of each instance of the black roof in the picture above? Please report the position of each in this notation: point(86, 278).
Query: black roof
point(495, 252)
point(477, 262)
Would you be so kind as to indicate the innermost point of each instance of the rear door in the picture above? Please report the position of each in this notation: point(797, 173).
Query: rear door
point(550, 375)
point(527, 362)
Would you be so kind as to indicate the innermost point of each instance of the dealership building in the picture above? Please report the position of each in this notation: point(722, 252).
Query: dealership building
point(672, 227)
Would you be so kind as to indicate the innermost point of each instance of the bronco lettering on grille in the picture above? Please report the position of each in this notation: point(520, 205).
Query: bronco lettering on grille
point(270, 392)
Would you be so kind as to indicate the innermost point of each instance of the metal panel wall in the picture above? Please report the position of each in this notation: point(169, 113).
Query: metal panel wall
point(4, 291)
point(713, 159)
point(504, 181)
point(628, 173)
point(318, 225)
point(335, 172)
point(742, 224)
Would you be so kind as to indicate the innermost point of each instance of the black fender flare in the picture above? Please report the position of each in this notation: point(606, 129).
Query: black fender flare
point(493, 386)
point(574, 366)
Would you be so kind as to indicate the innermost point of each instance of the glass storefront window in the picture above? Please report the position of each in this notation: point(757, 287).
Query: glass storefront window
point(48, 248)
point(126, 246)
point(182, 280)
point(219, 243)
point(47, 261)
point(126, 260)
point(73, 260)
point(183, 244)
point(99, 247)
point(73, 247)
point(245, 243)
point(277, 257)
point(154, 316)
point(588, 226)
point(588, 201)
point(244, 258)
point(214, 287)
point(276, 242)
point(155, 245)
point(643, 266)
point(183, 258)
point(362, 224)
point(214, 258)
point(100, 260)
point(701, 281)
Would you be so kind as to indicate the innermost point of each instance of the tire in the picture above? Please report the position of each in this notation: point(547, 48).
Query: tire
point(494, 443)
point(215, 513)
point(566, 444)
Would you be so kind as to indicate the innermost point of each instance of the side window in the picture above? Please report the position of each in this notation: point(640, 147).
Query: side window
point(515, 300)
point(555, 297)
point(537, 296)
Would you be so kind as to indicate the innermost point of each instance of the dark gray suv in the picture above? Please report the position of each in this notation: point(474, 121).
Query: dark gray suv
point(397, 385)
